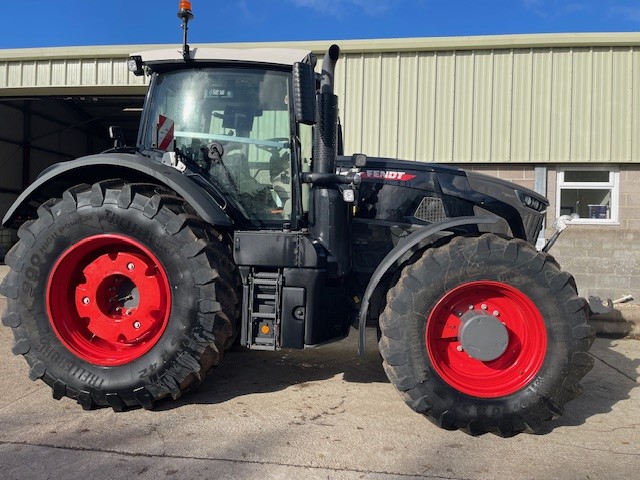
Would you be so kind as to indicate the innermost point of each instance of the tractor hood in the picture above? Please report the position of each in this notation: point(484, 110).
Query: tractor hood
point(394, 190)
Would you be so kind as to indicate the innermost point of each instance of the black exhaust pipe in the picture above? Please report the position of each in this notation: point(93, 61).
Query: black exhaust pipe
point(328, 69)
point(326, 138)
point(329, 220)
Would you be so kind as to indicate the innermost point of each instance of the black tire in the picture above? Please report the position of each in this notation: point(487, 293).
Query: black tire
point(454, 394)
point(188, 319)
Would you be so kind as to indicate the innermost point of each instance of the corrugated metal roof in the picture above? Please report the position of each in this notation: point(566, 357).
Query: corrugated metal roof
point(517, 99)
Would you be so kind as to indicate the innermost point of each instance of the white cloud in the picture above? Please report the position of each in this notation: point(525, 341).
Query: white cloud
point(333, 8)
point(554, 9)
point(375, 8)
point(338, 8)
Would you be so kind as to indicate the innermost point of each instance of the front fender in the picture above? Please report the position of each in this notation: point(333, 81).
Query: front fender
point(394, 255)
point(131, 167)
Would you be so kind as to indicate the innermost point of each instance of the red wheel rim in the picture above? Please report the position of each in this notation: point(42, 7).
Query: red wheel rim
point(505, 375)
point(108, 299)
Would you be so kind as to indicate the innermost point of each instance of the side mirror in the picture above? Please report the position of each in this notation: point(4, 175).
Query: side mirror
point(304, 93)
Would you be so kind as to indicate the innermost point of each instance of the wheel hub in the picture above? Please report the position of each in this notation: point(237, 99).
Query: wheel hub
point(108, 299)
point(482, 336)
point(486, 338)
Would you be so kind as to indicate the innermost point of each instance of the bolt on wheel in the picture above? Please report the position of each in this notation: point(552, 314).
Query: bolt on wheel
point(108, 299)
point(493, 349)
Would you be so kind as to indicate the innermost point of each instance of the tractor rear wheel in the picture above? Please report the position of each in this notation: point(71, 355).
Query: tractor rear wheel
point(120, 295)
point(486, 334)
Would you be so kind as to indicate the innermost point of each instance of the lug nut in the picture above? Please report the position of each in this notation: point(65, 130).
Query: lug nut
point(484, 306)
point(128, 311)
point(136, 325)
point(459, 348)
point(470, 307)
point(86, 300)
point(130, 266)
point(496, 313)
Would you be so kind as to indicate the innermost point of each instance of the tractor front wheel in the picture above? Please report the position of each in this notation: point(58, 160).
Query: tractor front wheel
point(486, 334)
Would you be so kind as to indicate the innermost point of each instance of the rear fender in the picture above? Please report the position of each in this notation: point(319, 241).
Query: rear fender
point(130, 167)
point(398, 252)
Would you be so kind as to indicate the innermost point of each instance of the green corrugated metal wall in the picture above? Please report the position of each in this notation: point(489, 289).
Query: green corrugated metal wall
point(530, 105)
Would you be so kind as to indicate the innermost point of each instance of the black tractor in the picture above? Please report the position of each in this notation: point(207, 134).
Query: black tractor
point(235, 219)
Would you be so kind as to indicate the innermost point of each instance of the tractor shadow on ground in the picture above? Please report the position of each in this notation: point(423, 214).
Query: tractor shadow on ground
point(610, 381)
point(245, 372)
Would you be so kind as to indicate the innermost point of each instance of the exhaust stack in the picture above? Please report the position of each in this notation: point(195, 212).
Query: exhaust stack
point(326, 139)
point(328, 69)
point(329, 218)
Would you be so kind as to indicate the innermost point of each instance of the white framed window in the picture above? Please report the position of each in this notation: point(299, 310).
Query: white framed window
point(590, 194)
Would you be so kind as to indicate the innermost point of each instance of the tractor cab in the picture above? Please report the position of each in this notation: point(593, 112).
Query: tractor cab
point(226, 116)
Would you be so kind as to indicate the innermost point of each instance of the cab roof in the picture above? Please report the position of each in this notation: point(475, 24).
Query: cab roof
point(274, 56)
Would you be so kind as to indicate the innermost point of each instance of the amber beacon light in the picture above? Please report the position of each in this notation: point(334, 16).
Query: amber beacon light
point(184, 10)
point(185, 14)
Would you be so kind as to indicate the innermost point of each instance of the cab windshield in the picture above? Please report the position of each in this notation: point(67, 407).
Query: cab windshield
point(246, 113)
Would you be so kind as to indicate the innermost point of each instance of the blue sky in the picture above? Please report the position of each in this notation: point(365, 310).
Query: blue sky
point(47, 23)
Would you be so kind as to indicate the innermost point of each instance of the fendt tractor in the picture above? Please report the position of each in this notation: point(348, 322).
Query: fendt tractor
point(236, 220)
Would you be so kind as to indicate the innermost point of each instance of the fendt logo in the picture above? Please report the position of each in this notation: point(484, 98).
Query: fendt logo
point(386, 175)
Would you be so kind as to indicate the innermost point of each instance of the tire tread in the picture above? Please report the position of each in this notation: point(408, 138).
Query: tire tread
point(421, 389)
point(218, 283)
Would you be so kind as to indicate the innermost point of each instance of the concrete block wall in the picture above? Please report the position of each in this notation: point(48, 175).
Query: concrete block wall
point(630, 197)
point(604, 263)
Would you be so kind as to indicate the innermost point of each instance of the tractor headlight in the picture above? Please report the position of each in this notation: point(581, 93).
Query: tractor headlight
point(531, 202)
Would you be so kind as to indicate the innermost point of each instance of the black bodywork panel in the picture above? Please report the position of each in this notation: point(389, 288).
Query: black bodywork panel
point(393, 190)
point(269, 249)
point(398, 197)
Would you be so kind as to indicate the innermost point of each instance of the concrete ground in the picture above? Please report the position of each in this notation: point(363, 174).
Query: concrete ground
point(314, 414)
